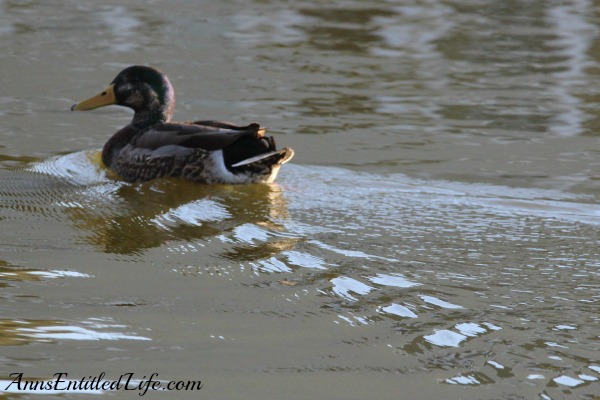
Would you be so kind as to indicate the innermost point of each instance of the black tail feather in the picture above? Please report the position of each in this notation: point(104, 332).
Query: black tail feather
point(246, 148)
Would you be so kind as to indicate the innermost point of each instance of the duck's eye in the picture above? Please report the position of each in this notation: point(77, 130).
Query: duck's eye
point(103, 94)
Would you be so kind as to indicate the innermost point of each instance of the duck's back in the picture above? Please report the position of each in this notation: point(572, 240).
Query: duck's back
point(203, 151)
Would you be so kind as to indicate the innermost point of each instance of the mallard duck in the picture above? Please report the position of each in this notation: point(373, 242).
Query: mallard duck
point(202, 151)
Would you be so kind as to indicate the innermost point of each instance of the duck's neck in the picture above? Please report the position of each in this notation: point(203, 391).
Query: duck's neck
point(156, 108)
point(154, 113)
point(149, 117)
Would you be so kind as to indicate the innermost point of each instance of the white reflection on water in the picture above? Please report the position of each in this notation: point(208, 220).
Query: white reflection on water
point(553, 344)
point(440, 303)
point(397, 280)
point(567, 381)
point(305, 260)
point(448, 338)
point(470, 329)
point(349, 253)
point(51, 274)
point(496, 364)
point(445, 338)
point(564, 327)
point(60, 274)
point(248, 233)
point(535, 376)
point(194, 213)
point(594, 368)
point(463, 380)
point(353, 320)
point(73, 332)
point(271, 265)
point(399, 310)
point(342, 286)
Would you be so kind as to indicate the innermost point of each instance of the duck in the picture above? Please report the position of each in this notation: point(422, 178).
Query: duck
point(152, 146)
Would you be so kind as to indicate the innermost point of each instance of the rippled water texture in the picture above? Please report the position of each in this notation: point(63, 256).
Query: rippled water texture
point(436, 235)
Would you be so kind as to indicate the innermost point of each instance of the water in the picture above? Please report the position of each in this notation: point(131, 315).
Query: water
point(436, 235)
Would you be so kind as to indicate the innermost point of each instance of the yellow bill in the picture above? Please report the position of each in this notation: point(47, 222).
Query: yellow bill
point(105, 98)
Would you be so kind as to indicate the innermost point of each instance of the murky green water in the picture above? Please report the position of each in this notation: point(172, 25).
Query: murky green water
point(436, 235)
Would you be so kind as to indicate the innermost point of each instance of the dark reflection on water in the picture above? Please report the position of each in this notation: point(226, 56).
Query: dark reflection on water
point(151, 214)
point(121, 218)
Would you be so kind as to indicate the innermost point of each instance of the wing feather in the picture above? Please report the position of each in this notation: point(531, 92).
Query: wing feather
point(206, 135)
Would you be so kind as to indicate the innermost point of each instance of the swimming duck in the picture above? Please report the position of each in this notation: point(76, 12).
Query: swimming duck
point(152, 146)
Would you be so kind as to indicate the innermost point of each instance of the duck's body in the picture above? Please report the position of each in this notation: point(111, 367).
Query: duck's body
point(203, 151)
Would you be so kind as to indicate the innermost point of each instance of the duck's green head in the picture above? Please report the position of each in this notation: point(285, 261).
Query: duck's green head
point(145, 90)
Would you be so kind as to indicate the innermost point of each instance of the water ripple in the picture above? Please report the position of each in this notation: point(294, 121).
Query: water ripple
point(342, 286)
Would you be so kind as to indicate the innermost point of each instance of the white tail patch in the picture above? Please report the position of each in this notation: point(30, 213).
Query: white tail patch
point(258, 158)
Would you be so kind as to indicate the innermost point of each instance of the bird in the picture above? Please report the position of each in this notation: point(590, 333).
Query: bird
point(206, 151)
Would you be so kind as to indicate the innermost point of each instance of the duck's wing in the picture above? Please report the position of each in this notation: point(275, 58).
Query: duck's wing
point(230, 126)
point(206, 135)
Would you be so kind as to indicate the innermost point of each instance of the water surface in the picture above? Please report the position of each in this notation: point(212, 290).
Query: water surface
point(436, 235)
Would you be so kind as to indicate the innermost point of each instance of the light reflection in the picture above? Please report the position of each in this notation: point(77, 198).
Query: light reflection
point(271, 265)
point(349, 253)
point(249, 233)
point(399, 310)
point(51, 333)
point(491, 326)
point(14, 273)
point(470, 329)
point(60, 274)
point(568, 381)
point(354, 320)
point(564, 327)
point(448, 338)
point(495, 364)
point(440, 303)
point(194, 213)
point(463, 380)
point(588, 378)
point(305, 260)
point(445, 338)
point(553, 344)
point(594, 368)
point(535, 376)
point(20, 332)
point(396, 280)
point(342, 286)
